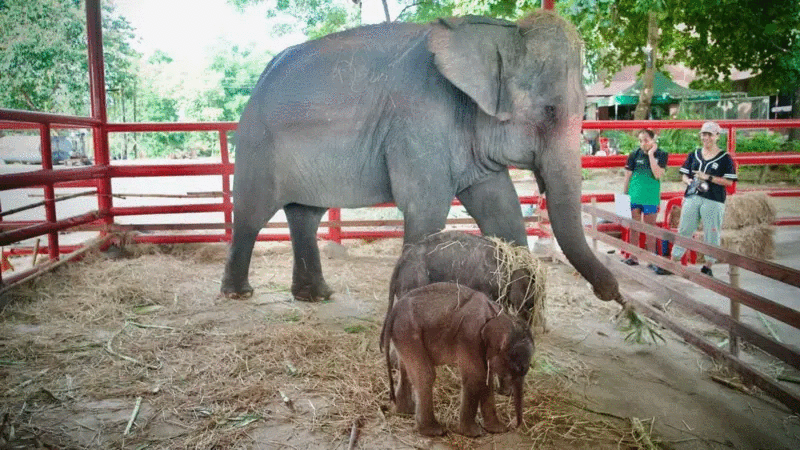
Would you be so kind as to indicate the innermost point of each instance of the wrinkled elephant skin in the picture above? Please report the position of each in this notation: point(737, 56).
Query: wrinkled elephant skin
point(415, 115)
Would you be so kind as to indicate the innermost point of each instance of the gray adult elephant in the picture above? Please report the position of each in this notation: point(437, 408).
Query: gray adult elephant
point(415, 115)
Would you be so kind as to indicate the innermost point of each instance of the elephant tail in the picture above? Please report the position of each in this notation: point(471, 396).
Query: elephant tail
point(392, 294)
point(386, 342)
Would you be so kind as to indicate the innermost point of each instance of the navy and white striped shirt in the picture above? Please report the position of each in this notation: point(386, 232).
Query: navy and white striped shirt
point(720, 165)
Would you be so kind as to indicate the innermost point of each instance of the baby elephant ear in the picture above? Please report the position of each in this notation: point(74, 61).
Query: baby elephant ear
point(495, 336)
point(475, 54)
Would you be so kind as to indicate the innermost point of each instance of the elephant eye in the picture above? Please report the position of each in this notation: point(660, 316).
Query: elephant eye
point(550, 112)
point(517, 368)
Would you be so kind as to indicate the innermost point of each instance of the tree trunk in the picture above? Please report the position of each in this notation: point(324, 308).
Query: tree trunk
point(386, 10)
point(646, 95)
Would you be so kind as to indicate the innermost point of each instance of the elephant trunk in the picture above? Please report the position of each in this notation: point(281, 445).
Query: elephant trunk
point(560, 170)
point(518, 391)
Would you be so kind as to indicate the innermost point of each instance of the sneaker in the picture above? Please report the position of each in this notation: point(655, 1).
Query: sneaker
point(631, 262)
point(707, 271)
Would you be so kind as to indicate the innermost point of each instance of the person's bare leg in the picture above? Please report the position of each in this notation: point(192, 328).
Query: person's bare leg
point(636, 214)
point(650, 241)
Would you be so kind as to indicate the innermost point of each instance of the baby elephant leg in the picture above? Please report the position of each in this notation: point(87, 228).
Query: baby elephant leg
point(404, 399)
point(422, 374)
point(489, 413)
point(473, 391)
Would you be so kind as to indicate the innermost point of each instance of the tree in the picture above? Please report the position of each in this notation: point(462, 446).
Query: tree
point(318, 17)
point(709, 36)
point(40, 53)
point(236, 71)
point(43, 57)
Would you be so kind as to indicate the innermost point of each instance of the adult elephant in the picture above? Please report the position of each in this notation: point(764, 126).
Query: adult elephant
point(415, 115)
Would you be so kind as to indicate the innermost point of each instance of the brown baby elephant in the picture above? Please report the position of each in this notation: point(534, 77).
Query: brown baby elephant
point(447, 323)
point(470, 261)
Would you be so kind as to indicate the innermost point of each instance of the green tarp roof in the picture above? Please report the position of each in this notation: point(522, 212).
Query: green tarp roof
point(665, 91)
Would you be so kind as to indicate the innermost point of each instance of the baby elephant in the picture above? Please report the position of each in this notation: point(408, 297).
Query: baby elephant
point(472, 261)
point(447, 323)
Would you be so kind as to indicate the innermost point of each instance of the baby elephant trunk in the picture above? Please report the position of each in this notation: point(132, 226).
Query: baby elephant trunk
point(517, 388)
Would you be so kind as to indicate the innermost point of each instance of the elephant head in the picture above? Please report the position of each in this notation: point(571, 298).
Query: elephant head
point(527, 79)
point(509, 348)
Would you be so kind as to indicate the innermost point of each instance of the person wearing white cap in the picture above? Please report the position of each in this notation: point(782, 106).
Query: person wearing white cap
point(707, 172)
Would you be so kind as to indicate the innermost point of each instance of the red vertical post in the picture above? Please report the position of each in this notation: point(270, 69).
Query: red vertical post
point(226, 183)
point(732, 152)
point(548, 4)
point(49, 192)
point(97, 89)
point(335, 231)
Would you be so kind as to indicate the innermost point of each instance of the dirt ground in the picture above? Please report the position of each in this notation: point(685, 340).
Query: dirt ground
point(81, 348)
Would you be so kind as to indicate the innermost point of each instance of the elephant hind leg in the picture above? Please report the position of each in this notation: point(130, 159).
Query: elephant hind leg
point(307, 281)
point(248, 221)
point(422, 374)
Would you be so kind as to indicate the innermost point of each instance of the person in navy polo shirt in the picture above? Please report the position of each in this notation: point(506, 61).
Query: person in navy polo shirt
point(706, 172)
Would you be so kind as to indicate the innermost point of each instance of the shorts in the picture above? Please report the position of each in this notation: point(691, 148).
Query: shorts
point(645, 209)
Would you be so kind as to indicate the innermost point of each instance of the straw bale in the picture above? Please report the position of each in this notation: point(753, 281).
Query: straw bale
point(748, 209)
point(675, 217)
point(757, 241)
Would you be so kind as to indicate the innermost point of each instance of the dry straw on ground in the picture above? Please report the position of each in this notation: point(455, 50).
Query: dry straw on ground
point(211, 375)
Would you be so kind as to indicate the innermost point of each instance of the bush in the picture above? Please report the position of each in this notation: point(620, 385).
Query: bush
point(760, 142)
point(626, 141)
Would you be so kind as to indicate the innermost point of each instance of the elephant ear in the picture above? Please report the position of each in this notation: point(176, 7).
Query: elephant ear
point(475, 54)
point(495, 336)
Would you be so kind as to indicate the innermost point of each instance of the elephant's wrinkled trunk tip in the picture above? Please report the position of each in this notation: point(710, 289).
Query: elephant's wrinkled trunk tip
point(518, 401)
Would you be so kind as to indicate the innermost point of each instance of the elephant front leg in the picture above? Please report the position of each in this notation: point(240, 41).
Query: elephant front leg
point(491, 422)
point(307, 281)
point(494, 204)
point(473, 389)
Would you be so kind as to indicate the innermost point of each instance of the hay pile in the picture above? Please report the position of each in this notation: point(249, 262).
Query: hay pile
point(511, 258)
point(747, 228)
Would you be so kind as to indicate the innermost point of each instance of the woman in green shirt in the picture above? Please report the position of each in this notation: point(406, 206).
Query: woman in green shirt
point(643, 173)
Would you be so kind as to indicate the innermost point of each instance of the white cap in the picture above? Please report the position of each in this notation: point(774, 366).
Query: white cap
point(711, 127)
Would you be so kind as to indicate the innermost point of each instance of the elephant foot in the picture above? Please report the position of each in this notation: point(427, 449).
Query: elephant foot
point(311, 292)
point(404, 405)
point(494, 426)
point(470, 430)
point(236, 292)
point(432, 429)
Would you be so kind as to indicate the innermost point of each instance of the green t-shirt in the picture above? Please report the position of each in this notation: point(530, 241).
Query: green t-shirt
point(644, 188)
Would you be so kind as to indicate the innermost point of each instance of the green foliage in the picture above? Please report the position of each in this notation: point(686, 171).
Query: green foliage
point(709, 36)
point(237, 71)
point(42, 47)
point(318, 17)
point(760, 142)
point(626, 140)
point(427, 11)
point(43, 56)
